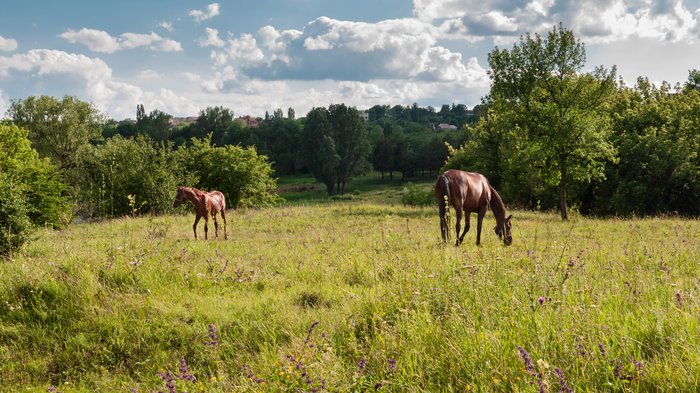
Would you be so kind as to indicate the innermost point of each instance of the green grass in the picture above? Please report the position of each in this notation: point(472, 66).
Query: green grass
point(106, 306)
point(304, 190)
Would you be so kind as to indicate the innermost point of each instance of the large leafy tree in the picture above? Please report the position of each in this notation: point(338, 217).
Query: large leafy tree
point(334, 146)
point(239, 173)
point(551, 110)
point(216, 121)
point(58, 128)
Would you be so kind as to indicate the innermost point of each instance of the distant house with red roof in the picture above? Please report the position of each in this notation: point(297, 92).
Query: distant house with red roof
point(250, 121)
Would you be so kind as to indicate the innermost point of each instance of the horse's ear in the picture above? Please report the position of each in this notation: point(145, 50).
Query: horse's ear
point(507, 219)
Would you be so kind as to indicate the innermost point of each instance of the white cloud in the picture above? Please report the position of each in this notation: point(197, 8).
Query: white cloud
point(3, 108)
point(245, 48)
point(350, 90)
point(7, 44)
point(100, 41)
point(593, 21)
point(149, 74)
point(212, 11)
point(96, 40)
point(212, 38)
point(192, 77)
point(166, 25)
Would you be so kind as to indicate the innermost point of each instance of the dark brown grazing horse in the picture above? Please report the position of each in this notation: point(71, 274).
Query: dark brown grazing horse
point(470, 192)
point(204, 203)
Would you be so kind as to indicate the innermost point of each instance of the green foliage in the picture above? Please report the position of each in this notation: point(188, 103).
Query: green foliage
point(58, 129)
point(334, 146)
point(415, 195)
point(40, 182)
point(239, 173)
point(551, 113)
point(138, 167)
point(15, 226)
point(658, 139)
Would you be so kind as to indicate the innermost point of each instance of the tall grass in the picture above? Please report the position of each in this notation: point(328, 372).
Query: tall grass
point(354, 298)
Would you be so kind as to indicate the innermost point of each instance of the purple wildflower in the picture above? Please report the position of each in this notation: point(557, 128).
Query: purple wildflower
point(602, 349)
point(212, 337)
point(377, 386)
point(529, 366)
point(541, 300)
point(564, 385)
point(392, 365)
point(185, 374)
point(362, 365)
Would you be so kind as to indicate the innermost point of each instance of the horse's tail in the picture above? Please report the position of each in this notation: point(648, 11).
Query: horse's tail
point(444, 206)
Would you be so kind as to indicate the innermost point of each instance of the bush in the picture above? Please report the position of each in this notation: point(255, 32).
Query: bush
point(239, 173)
point(133, 167)
point(40, 182)
point(15, 226)
point(419, 196)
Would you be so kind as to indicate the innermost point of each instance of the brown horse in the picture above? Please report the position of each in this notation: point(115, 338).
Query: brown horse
point(470, 192)
point(204, 203)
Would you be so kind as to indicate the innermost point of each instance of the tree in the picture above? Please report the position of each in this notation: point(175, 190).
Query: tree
point(239, 173)
point(58, 129)
point(553, 111)
point(318, 148)
point(693, 82)
point(290, 114)
point(351, 143)
point(216, 121)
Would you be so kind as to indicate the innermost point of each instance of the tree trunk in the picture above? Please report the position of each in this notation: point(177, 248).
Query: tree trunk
point(562, 190)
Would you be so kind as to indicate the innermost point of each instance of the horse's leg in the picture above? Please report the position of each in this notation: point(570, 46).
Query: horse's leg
point(206, 227)
point(467, 219)
point(223, 215)
point(458, 214)
point(194, 227)
point(216, 225)
point(480, 219)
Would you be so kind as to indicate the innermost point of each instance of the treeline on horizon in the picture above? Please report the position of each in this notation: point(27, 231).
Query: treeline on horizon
point(404, 139)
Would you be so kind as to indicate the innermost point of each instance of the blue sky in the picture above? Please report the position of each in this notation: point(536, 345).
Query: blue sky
point(257, 56)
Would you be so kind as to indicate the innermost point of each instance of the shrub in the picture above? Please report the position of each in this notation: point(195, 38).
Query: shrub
point(415, 195)
point(40, 182)
point(15, 226)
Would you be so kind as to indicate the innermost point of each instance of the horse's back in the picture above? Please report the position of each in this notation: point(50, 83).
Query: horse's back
point(217, 200)
point(471, 188)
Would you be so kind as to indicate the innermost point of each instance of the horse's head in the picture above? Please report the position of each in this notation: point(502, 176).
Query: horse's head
point(179, 197)
point(504, 231)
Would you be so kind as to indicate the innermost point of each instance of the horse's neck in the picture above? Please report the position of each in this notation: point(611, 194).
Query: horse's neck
point(497, 207)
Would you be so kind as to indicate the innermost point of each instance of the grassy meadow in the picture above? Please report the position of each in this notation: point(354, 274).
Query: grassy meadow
point(353, 296)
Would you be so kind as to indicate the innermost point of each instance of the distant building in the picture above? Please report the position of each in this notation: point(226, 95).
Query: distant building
point(446, 126)
point(177, 120)
point(365, 115)
point(250, 121)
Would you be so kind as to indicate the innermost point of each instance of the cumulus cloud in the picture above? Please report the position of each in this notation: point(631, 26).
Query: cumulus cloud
point(212, 38)
point(594, 21)
point(93, 81)
point(211, 11)
point(7, 44)
point(101, 41)
point(96, 40)
point(166, 25)
point(349, 51)
point(149, 74)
